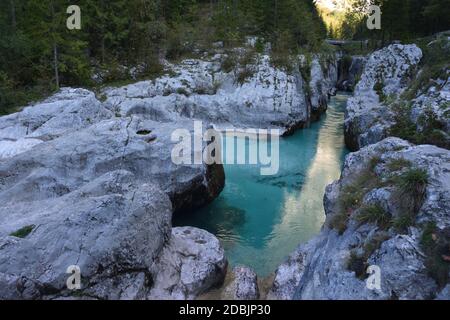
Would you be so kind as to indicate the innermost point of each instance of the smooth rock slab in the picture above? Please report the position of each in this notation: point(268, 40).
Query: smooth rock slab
point(109, 227)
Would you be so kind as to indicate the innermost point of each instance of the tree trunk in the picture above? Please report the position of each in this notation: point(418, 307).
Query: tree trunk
point(55, 51)
point(103, 49)
point(276, 14)
point(13, 15)
point(55, 64)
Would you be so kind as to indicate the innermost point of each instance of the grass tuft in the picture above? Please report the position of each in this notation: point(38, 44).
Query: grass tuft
point(23, 232)
point(374, 214)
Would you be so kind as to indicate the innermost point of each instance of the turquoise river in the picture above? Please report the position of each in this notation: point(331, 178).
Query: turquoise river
point(260, 220)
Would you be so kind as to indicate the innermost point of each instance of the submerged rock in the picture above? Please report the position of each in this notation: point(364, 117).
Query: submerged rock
point(367, 226)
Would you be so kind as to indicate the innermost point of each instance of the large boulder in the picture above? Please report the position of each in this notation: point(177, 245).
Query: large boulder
point(143, 147)
point(244, 285)
point(109, 227)
point(192, 263)
point(97, 192)
point(67, 111)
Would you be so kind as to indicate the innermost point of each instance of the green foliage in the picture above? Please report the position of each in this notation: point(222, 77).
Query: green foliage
point(398, 164)
point(242, 64)
point(375, 242)
point(39, 54)
point(351, 195)
point(374, 214)
point(430, 133)
point(401, 20)
point(413, 182)
point(244, 74)
point(435, 244)
point(358, 264)
point(378, 87)
point(358, 257)
point(23, 232)
point(282, 53)
point(411, 187)
point(434, 65)
point(229, 63)
point(339, 222)
point(403, 222)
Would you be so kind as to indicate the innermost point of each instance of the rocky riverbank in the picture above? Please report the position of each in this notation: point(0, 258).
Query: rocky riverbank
point(391, 207)
point(87, 180)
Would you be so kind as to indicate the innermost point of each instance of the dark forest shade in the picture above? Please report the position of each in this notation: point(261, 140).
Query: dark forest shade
point(38, 53)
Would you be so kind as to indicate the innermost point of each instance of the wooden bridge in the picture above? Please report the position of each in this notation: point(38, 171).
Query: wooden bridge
point(341, 43)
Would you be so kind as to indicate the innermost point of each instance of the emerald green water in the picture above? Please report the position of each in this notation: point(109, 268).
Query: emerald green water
point(260, 220)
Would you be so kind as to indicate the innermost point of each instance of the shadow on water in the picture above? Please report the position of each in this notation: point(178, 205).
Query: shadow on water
point(262, 219)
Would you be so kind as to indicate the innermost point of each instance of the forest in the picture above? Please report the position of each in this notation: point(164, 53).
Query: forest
point(38, 54)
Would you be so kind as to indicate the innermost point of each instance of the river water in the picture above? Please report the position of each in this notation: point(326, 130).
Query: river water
point(260, 220)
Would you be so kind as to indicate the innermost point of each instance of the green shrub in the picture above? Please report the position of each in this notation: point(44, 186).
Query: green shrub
point(338, 222)
point(373, 162)
point(378, 87)
point(358, 261)
point(12, 96)
point(411, 187)
point(283, 61)
point(351, 196)
point(374, 214)
point(434, 65)
point(436, 246)
point(229, 63)
point(283, 52)
point(183, 91)
point(244, 74)
point(403, 222)
point(413, 182)
point(398, 164)
point(357, 264)
point(432, 129)
point(375, 243)
point(23, 232)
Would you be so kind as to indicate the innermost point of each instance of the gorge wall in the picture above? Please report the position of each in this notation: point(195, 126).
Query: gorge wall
point(391, 206)
point(87, 179)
